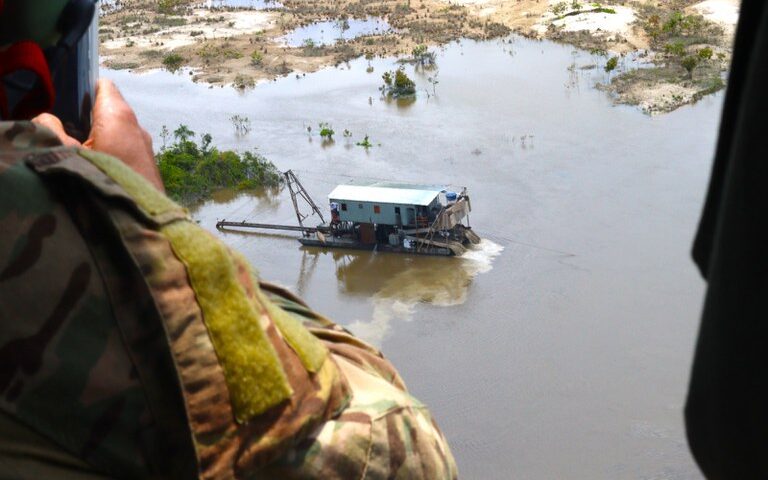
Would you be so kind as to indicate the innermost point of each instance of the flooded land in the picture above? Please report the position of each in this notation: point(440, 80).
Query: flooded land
point(686, 44)
point(559, 347)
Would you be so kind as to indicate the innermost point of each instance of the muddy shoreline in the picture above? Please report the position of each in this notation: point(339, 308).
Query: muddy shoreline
point(243, 47)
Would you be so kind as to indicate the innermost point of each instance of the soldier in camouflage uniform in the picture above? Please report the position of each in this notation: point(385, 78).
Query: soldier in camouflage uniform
point(134, 344)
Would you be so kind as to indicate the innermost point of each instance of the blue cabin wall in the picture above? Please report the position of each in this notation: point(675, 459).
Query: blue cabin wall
point(364, 212)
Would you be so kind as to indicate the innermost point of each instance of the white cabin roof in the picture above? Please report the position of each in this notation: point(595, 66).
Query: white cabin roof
point(421, 195)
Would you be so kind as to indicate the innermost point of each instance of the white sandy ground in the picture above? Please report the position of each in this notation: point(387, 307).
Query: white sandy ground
point(724, 12)
point(607, 23)
point(232, 24)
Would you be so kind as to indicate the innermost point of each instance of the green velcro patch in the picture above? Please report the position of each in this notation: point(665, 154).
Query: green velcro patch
point(254, 375)
point(152, 201)
point(308, 348)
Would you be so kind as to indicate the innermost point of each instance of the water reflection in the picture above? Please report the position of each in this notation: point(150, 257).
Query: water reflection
point(260, 200)
point(397, 283)
point(331, 31)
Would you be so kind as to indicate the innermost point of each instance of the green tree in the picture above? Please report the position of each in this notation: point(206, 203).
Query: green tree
point(399, 84)
point(611, 64)
point(403, 83)
point(183, 134)
point(326, 131)
point(689, 63)
point(173, 61)
point(191, 172)
point(205, 143)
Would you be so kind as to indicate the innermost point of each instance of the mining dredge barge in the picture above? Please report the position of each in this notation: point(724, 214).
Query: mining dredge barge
point(382, 216)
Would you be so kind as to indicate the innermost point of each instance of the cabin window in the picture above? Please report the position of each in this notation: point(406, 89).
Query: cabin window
point(359, 205)
point(376, 209)
point(344, 207)
point(397, 210)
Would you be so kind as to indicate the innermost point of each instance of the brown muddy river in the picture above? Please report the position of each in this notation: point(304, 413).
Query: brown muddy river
point(561, 347)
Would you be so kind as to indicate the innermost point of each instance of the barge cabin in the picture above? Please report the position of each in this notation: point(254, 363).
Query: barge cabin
point(386, 216)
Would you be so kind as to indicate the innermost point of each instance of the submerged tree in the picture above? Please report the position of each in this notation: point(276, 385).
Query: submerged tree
point(326, 131)
point(398, 84)
point(422, 56)
point(242, 125)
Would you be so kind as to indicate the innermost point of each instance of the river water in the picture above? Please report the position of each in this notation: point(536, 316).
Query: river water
point(560, 348)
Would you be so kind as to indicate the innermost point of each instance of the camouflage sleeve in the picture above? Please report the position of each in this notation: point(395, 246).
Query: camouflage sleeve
point(65, 374)
point(385, 433)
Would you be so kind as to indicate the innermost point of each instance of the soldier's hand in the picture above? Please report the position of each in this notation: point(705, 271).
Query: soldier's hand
point(54, 124)
point(116, 131)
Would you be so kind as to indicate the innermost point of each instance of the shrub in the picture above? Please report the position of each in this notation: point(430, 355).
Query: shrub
point(705, 53)
point(611, 64)
point(326, 131)
point(257, 58)
point(398, 84)
point(168, 6)
point(243, 81)
point(676, 48)
point(173, 61)
point(365, 143)
point(559, 8)
point(689, 63)
point(403, 83)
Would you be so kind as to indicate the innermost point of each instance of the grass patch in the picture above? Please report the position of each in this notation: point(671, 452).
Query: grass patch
point(168, 21)
point(151, 54)
point(222, 51)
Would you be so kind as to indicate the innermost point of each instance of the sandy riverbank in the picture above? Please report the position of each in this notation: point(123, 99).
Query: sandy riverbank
point(244, 47)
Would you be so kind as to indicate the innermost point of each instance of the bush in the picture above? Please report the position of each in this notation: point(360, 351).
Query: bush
point(705, 53)
point(243, 81)
point(611, 64)
point(190, 172)
point(403, 83)
point(173, 61)
point(689, 63)
point(365, 143)
point(559, 8)
point(398, 84)
point(326, 131)
point(257, 58)
point(676, 48)
point(168, 6)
